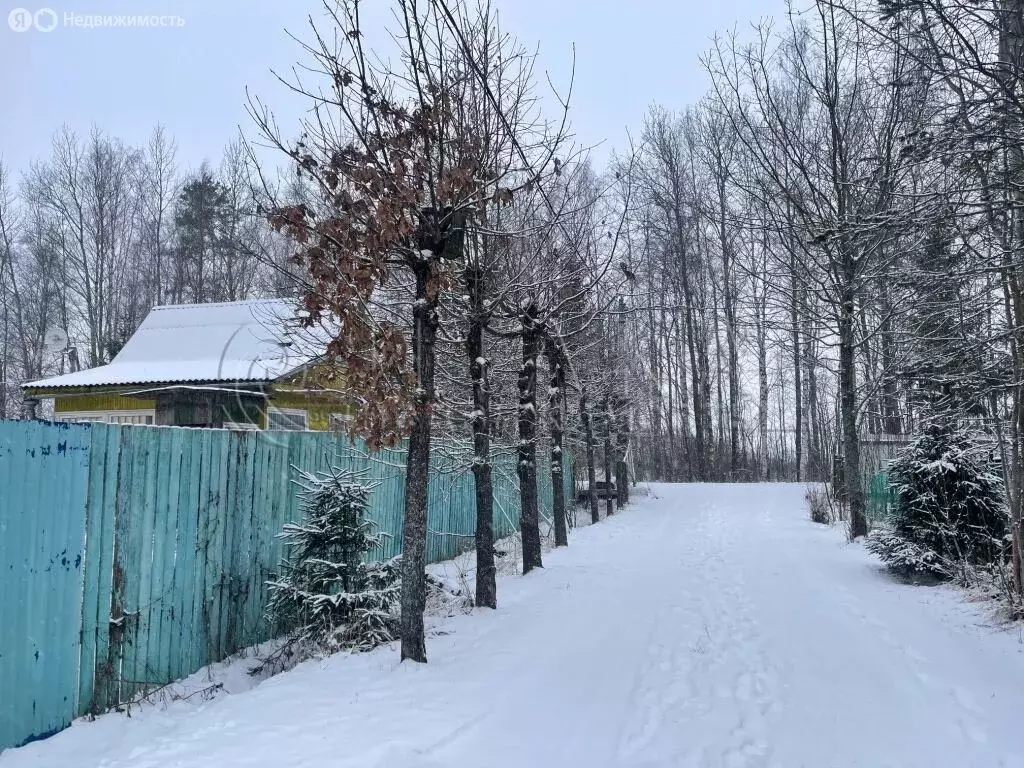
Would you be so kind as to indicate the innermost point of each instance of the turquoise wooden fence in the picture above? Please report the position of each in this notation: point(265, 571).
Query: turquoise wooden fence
point(133, 556)
point(880, 497)
point(44, 479)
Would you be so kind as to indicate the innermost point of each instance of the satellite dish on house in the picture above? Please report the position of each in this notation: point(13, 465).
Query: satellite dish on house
point(55, 340)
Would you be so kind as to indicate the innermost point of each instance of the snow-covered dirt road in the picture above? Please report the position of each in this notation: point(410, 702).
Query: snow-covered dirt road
point(704, 626)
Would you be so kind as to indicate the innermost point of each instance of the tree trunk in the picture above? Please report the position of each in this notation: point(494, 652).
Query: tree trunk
point(848, 408)
point(1015, 477)
point(699, 446)
point(697, 462)
point(673, 463)
point(622, 446)
point(486, 585)
point(717, 448)
point(529, 515)
point(762, 387)
point(891, 416)
point(815, 466)
point(732, 350)
point(794, 317)
point(608, 423)
point(417, 475)
point(557, 428)
point(654, 350)
point(588, 435)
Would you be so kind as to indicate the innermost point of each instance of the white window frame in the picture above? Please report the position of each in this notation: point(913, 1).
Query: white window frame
point(109, 417)
point(83, 417)
point(289, 412)
point(241, 426)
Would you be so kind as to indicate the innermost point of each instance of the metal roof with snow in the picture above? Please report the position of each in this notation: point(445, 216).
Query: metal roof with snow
point(239, 341)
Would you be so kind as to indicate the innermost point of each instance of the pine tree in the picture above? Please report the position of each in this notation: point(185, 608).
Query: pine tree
point(201, 222)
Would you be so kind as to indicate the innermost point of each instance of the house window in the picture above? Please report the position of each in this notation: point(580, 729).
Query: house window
point(109, 417)
point(340, 422)
point(81, 418)
point(131, 418)
point(291, 419)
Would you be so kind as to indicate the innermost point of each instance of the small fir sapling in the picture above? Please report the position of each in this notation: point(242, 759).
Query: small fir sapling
point(326, 596)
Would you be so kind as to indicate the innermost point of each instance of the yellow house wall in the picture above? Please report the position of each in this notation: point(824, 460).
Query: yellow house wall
point(289, 393)
point(109, 401)
point(300, 391)
point(318, 407)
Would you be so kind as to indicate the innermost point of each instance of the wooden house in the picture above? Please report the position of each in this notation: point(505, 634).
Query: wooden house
point(236, 365)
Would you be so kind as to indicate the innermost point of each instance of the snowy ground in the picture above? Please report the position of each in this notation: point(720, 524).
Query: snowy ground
point(705, 626)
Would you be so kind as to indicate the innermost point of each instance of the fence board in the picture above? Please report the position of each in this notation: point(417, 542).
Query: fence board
point(130, 537)
point(191, 630)
point(183, 574)
point(200, 493)
point(110, 598)
point(94, 613)
point(156, 664)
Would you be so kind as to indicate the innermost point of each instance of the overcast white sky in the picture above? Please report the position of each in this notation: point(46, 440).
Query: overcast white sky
point(629, 54)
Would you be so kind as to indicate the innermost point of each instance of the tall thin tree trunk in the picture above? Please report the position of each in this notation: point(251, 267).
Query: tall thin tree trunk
point(588, 435)
point(891, 420)
point(732, 350)
point(622, 449)
point(720, 398)
point(700, 445)
point(557, 422)
point(673, 460)
point(657, 447)
point(704, 358)
point(1016, 474)
point(794, 318)
point(762, 398)
point(815, 468)
point(682, 397)
point(529, 514)
point(607, 423)
point(486, 585)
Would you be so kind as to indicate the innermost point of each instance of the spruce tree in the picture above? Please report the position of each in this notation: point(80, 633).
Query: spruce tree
point(326, 595)
point(950, 511)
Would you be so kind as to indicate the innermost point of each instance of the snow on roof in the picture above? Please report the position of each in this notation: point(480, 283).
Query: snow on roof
point(238, 341)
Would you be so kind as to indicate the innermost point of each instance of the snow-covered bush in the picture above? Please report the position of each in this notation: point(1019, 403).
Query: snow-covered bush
point(950, 511)
point(820, 505)
point(326, 596)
